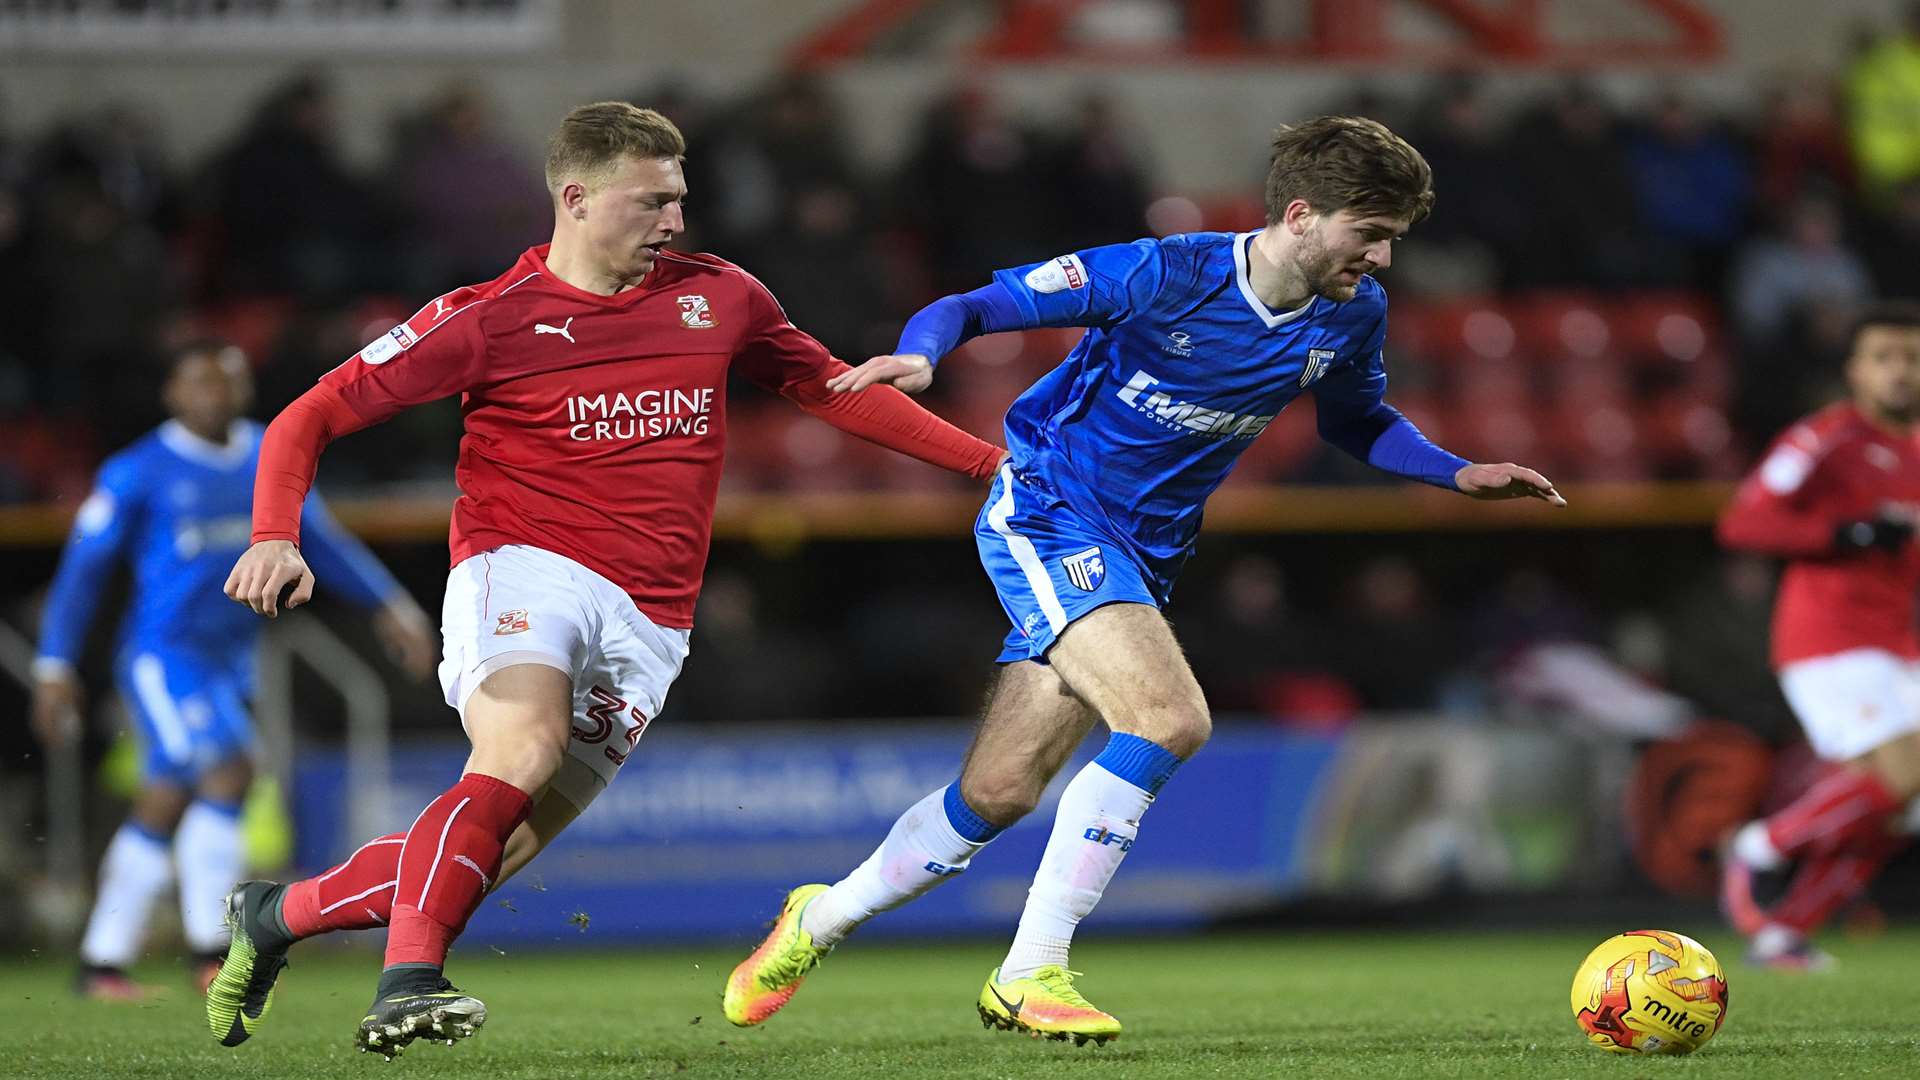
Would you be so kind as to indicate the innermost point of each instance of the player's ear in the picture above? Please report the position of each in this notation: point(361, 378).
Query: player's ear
point(573, 200)
point(1298, 216)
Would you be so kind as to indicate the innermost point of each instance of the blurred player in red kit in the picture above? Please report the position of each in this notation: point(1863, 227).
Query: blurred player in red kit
point(1838, 496)
point(593, 375)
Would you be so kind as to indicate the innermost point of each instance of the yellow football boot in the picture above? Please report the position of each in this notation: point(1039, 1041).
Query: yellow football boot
point(765, 981)
point(1045, 1004)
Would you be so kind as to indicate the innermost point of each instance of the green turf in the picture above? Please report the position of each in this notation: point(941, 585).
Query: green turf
point(1299, 1005)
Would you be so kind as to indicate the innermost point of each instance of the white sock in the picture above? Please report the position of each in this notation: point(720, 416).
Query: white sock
point(1093, 829)
point(133, 874)
point(922, 850)
point(1752, 845)
point(1774, 939)
point(209, 853)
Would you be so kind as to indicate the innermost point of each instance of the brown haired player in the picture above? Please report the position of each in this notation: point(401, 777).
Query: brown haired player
point(592, 375)
point(1194, 344)
point(1838, 496)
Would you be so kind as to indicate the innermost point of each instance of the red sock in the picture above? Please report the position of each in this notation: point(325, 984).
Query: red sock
point(1847, 808)
point(1829, 882)
point(452, 853)
point(356, 895)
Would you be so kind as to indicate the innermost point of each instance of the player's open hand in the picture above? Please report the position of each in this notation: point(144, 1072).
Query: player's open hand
point(904, 371)
point(1506, 481)
point(408, 637)
point(56, 710)
point(268, 569)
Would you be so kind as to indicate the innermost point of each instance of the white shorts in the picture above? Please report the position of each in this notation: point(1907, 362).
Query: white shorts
point(522, 605)
point(1851, 702)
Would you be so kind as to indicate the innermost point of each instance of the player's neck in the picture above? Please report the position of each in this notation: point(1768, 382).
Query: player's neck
point(572, 264)
point(217, 436)
point(1272, 275)
point(1898, 426)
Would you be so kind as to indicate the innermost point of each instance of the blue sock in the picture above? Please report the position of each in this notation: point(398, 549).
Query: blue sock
point(969, 825)
point(1141, 762)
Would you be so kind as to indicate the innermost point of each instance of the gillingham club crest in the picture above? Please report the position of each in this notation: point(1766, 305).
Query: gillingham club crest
point(1086, 569)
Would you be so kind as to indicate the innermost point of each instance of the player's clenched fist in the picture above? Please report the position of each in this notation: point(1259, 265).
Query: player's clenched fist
point(267, 569)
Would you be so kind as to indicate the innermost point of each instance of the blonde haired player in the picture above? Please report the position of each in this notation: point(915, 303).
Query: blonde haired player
point(592, 374)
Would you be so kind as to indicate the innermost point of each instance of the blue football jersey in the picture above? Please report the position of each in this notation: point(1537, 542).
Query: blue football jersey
point(179, 509)
point(1181, 368)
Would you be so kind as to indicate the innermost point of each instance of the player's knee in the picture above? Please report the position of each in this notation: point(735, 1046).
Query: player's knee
point(1002, 800)
point(525, 755)
point(1182, 729)
point(1897, 764)
point(227, 781)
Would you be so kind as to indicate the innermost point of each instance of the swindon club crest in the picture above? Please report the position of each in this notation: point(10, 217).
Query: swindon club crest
point(696, 313)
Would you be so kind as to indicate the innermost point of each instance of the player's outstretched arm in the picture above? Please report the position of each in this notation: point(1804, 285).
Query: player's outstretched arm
point(902, 371)
point(1506, 481)
point(266, 571)
point(933, 332)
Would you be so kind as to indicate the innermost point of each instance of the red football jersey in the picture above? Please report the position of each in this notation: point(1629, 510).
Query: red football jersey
point(595, 425)
point(1832, 468)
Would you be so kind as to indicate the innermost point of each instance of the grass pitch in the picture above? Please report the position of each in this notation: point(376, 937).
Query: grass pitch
point(1344, 1004)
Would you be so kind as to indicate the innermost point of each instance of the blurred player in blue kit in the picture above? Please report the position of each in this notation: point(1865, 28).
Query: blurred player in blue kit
point(176, 507)
point(1194, 344)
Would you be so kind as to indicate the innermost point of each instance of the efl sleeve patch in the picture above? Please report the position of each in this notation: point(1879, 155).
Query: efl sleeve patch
point(96, 513)
point(1065, 272)
point(1785, 470)
point(388, 345)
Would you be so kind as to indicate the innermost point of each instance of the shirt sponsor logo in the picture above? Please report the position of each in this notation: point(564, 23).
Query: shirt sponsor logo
point(1186, 416)
point(1065, 272)
point(511, 622)
point(643, 414)
point(696, 313)
point(1086, 569)
point(1317, 361)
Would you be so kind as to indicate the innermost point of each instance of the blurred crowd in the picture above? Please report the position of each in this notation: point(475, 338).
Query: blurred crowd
point(1679, 278)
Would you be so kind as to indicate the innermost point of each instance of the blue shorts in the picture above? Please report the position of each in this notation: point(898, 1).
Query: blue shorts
point(1051, 566)
point(189, 711)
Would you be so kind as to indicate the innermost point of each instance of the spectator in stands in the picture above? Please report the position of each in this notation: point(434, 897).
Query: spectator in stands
point(1465, 247)
point(1099, 179)
point(1801, 150)
point(752, 667)
point(846, 309)
point(106, 292)
point(472, 196)
point(295, 221)
point(1802, 263)
point(1891, 244)
point(1392, 613)
point(1261, 654)
point(1883, 109)
point(1694, 187)
point(1583, 227)
point(116, 149)
point(788, 138)
point(969, 185)
point(1717, 635)
point(1795, 372)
